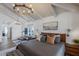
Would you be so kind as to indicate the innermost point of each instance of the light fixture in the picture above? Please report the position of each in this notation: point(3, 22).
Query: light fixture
point(13, 5)
point(30, 5)
point(17, 9)
point(23, 8)
point(24, 11)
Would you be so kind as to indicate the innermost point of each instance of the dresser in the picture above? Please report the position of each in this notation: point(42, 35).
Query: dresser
point(72, 50)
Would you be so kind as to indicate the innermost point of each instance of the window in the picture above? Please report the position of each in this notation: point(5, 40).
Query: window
point(29, 30)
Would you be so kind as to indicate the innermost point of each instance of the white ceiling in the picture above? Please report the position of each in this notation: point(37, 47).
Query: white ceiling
point(41, 10)
point(68, 6)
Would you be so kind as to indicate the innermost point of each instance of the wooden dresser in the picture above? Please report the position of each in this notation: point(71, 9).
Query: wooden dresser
point(72, 50)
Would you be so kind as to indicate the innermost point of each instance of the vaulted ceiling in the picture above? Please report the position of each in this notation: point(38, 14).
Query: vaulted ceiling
point(41, 10)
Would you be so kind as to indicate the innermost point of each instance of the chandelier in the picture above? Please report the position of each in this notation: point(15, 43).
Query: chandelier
point(23, 9)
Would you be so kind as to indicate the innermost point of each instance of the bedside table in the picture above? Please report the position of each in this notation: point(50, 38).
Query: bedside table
point(72, 50)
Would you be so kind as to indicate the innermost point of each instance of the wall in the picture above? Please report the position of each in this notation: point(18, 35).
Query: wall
point(9, 22)
point(63, 19)
point(4, 20)
point(66, 20)
point(16, 31)
point(75, 26)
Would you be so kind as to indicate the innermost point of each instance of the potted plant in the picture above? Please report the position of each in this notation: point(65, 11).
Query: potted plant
point(76, 41)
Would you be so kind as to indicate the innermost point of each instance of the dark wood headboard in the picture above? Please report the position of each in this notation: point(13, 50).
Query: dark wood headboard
point(62, 36)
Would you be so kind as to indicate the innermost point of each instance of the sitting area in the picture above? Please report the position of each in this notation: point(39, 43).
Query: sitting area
point(23, 39)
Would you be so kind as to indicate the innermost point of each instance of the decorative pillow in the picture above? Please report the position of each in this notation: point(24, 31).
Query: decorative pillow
point(50, 39)
point(57, 39)
point(43, 38)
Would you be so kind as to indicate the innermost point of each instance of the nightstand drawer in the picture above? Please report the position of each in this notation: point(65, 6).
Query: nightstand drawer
point(72, 53)
point(72, 50)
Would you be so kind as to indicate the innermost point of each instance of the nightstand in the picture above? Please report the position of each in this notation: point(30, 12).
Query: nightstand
point(72, 50)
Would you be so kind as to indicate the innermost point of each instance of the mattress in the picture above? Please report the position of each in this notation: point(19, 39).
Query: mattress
point(34, 47)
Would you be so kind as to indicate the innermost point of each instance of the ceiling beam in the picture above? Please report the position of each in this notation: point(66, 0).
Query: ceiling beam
point(67, 6)
point(22, 16)
point(14, 13)
point(54, 8)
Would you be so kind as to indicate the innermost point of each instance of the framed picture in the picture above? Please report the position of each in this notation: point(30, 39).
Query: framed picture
point(50, 25)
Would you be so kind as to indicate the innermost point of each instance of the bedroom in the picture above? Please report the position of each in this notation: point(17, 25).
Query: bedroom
point(52, 20)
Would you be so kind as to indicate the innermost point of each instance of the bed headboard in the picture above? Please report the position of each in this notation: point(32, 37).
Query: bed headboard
point(62, 36)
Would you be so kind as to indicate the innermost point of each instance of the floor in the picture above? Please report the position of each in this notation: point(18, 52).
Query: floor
point(6, 47)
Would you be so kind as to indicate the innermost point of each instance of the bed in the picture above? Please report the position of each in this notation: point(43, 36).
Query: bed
point(36, 48)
